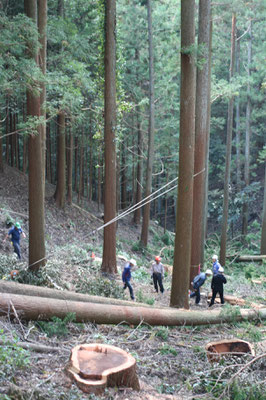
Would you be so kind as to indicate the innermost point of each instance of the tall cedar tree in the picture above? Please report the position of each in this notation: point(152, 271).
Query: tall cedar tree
point(228, 149)
point(201, 137)
point(36, 165)
point(263, 230)
point(109, 245)
point(146, 210)
point(182, 251)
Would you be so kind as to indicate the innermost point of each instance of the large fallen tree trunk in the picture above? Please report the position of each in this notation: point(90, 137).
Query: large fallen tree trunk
point(34, 308)
point(248, 257)
point(39, 291)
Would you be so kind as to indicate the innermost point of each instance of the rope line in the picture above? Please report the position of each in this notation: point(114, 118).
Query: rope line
point(140, 204)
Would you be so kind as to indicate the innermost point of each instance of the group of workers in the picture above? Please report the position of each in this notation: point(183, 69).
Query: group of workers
point(157, 274)
point(157, 271)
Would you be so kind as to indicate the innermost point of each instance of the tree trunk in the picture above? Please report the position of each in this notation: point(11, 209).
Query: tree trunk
point(182, 251)
point(263, 224)
point(109, 246)
point(148, 190)
point(36, 190)
point(137, 212)
point(201, 135)
point(30, 290)
point(35, 308)
point(238, 143)
point(228, 150)
point(70, 165)
point(248, 135)
point(1, 151)
point(42, 26)
point(61, 162)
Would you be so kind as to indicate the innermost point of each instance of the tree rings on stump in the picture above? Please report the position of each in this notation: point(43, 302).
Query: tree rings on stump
point(96, 366)
point(228, 347)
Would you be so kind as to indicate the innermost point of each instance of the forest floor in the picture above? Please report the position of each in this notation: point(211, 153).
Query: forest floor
point(171, 361)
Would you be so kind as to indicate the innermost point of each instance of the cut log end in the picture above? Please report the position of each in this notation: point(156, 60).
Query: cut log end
point(96, 366)
point(216, 350)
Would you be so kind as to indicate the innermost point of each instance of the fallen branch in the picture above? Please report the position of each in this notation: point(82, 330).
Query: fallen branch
point(33, 346)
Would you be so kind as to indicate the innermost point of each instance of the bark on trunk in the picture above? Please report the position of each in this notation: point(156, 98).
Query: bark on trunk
point(182, 252)
point(30, 290)
point(263, 228)
point(36, 308)
point(228, 151)
point(146, 209)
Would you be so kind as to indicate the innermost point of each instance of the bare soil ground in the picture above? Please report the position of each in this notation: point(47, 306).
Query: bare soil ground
point(171, 361)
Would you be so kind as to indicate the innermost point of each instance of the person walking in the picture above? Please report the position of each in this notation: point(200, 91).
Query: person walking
point(126, 276)
point(15, 232)
point(157, 274)
point(198, 281)
point(215, 264)
point(217, 286)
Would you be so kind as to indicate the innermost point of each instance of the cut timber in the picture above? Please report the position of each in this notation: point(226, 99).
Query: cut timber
point(34, 308)
point(39, 291)
point(235, 301)
point(228, 347)
point(248, 257)
point(96, 366)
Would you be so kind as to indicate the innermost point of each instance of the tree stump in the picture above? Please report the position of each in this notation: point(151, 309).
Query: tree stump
point(228, 347)
point(96, 366)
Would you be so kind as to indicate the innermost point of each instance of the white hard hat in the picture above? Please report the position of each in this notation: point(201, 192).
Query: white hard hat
point(220, 269)
point(215, 257)
point(133, 262)
point(208, 272)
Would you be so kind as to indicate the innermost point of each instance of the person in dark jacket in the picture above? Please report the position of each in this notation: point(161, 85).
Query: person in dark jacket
point(217, 286)
point(198, 281)
point(126, 276)
point(15, 232)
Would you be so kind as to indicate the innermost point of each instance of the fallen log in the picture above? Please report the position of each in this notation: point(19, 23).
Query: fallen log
point(248, 257)
point(40, 308)
point(39, 291)
point(235, 301)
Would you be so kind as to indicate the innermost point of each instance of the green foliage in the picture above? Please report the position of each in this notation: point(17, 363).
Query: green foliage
point(166, 349)
point(141, 298)
point(233, 312)
point(100, 286)
point(12, 357)
point(57, 327)
point(162, 333)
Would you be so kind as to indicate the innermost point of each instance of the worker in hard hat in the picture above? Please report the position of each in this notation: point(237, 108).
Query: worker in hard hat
point(215, 264)
point(217, 286)
point(157, 274)
point(198, 281)
point(126, 276)
point(15, 232)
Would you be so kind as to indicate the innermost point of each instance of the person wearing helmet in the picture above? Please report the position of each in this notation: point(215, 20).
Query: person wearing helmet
point(215, 264)
point(157, 274)
point(217, 286)
point(126, 276)
point(198, 281)
point(15, 232)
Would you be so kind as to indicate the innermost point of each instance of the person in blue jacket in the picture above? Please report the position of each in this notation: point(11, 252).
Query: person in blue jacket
point(198, 281)
point(15, 232)
point(126, 276)
point(215, 264)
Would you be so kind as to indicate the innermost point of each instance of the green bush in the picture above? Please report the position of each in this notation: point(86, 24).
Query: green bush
point(58, 326)
point(12, 357)
point(101, 287)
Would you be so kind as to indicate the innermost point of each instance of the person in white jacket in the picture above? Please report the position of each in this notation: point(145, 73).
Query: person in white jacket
point(157, 274)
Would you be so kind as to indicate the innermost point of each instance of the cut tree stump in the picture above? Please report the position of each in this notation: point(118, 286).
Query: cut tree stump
point(95, 366)
point(228, 347)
